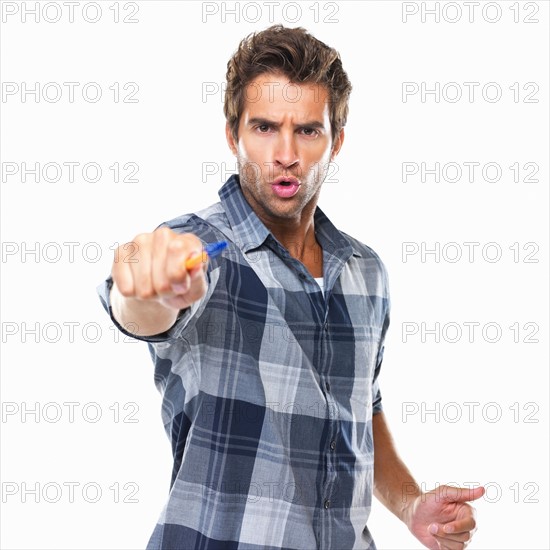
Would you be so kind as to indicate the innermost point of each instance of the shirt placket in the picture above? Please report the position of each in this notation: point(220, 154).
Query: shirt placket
point(332, 419)
point(323, 527)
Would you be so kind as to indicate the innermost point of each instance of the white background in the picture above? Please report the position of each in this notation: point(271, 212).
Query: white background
point(172, 53)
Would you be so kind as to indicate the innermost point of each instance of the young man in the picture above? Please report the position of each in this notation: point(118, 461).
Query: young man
point(268, 356)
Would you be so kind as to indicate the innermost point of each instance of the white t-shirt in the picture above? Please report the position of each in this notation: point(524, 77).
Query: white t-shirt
point(321, 283)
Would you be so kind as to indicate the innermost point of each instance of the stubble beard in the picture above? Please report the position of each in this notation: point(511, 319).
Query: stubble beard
point(256, 191)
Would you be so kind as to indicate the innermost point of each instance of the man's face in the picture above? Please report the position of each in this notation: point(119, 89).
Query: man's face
point(284, 130)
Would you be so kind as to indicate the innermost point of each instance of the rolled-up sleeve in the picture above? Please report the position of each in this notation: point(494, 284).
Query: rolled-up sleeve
point(376, 393)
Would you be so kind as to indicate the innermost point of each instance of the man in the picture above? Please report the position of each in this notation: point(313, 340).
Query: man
point(268, 356)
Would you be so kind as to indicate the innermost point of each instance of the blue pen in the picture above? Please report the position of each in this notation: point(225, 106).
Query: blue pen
point(210, 251)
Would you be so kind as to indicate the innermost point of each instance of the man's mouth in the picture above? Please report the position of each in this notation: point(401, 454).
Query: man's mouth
point(285, 186)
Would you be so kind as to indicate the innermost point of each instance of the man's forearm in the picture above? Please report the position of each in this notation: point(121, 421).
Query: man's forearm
point(394, 485)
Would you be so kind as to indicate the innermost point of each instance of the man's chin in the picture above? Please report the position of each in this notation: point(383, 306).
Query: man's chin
point(284, 211)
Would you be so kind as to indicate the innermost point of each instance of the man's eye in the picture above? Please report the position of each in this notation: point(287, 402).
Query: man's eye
point(263, 128)
point(310, 131)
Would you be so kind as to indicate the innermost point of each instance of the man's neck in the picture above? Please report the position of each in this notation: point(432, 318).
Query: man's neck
point(296, 234)
point(300, 241)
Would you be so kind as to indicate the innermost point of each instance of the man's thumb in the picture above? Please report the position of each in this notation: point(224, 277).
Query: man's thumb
point(460, 494)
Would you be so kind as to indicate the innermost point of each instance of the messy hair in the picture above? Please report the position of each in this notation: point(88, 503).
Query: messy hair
point(299, 56)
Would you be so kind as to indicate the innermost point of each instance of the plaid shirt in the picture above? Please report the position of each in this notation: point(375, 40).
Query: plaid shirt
point(269, 389)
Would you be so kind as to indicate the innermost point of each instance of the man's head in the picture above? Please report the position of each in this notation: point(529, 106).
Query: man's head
point(286, 104)
point(296, 54)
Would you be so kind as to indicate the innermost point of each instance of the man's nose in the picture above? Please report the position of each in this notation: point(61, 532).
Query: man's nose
point(286, 153)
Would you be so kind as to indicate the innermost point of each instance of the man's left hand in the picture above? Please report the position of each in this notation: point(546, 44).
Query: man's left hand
point(441, 519)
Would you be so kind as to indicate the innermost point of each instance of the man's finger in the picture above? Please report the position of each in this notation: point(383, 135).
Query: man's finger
point(459, 526)
point(161, 238)
point(449, 544)
point(458, 537)
point(123, 278)
point(460, 494)
point(141, 267)
point(182, 248)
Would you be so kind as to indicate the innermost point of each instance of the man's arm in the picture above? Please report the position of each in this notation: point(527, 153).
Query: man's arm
point(394, 485)
point(441, 518)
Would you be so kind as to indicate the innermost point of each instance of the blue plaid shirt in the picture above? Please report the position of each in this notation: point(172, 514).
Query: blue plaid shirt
point(269, 388)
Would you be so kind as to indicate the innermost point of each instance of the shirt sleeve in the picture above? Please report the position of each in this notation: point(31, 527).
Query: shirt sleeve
point(376, 393)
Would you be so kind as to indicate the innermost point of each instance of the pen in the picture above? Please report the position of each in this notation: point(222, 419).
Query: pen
point(210, 251)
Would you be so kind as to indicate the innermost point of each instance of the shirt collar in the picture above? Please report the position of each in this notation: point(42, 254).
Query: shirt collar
point(249, 232)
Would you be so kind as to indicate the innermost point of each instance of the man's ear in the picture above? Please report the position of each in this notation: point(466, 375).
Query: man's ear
point(230, 139)
point(338, 142)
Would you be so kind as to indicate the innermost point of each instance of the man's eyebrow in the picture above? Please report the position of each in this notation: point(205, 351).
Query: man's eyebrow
point(308, 124)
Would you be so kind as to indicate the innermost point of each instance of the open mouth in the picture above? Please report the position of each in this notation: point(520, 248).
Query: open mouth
point(285, 187)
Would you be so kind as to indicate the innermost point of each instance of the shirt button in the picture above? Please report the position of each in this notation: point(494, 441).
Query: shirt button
point(325, 326)
point(327, 504)
point(302, 276)
point(332, 445)
point(327, 386)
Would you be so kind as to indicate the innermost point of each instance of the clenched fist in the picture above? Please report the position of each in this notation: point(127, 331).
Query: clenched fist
point(151, 283)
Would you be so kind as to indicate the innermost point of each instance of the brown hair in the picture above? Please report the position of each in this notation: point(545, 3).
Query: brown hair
point(300, 57)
